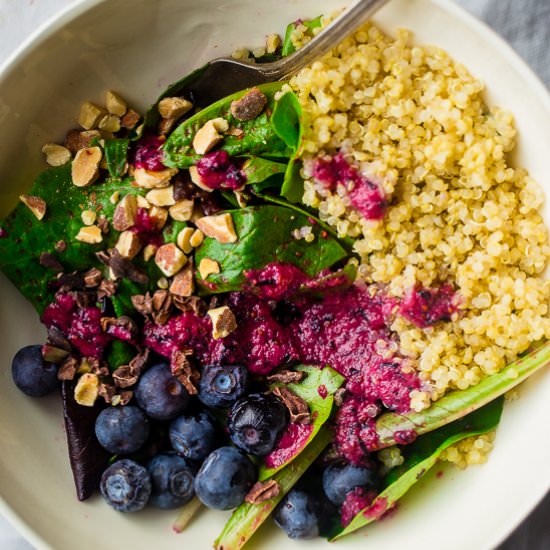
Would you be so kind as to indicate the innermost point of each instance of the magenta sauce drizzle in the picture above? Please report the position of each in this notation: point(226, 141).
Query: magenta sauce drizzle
point(293, 440)
point(367, 197)
point(220, 171)
point(148, 153)
point(145, 226)
point(426, 306)
point(356, 500)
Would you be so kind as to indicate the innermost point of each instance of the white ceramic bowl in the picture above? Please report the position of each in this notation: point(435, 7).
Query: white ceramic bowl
point(137, 47)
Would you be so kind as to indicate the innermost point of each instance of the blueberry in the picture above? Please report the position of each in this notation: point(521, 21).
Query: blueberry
point(194, 436)
point(222, 385)
point(126, 486)
point(297, 515)
point(339, 480)
point(31, 374)
point(172, 478)
point(159, 394)
point(225, 478)
point(122, 430)
point(256, 423)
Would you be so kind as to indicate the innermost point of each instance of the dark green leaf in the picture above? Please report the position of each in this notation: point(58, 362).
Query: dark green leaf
point(259, 169)
point(266, 235)
point(119, 353)
point(116, 156)
point(320, 407)
point(420, 456)
point(293, 183)
point(462, 402)
point(287, 120)
point(170, 232)
point(26, 237)
point(247, 518)
point(258, 138)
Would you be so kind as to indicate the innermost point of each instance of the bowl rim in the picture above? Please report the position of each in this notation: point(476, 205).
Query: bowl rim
point(66, 14)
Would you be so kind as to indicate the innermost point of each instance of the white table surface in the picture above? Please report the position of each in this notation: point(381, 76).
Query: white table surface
point(524, 23)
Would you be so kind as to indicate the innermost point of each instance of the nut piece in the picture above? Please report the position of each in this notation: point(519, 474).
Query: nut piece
point(163, 283)
point(142, 202)
point(115, 104)
point(35, 204)
point(128, 244)
point(56, 155)
point(90, 234)
point(158, 217)
point(125, 213)
point(109, 123)
point(85, 167)
point(115, 197)
point(130, 119)
point(89, 115)
point(174, 107)
point(196, 238)
point(87, 390)
point(183, 283)
point(249, 106)
point(197, 180)
point(208, 267)
point(182, 211)
point(149, 251)
point(170, 259)
point(88, 217)
point(147, 179)
point(272, 43)
point(77, 139)
point(209, 135)
point(183, 240)
point(223, 322)
point(219, 227)
point(161, 197)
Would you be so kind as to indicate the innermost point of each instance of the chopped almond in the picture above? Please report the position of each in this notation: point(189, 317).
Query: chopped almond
point(183, 283)
point(90, 114)
point(109, 123)
point(149, 251)
point(87, 390)
point(158, 216)
point(182, 211)
point(125, 213)
point(183, 240)
point(161, 197)
point(208, 267)
point(197, 180)
point(85, 167)
point(35, 204)
point(174, 107)
point(56, 155)
point(90, 234)
point(209, 135)
point(88, 217)
point(219, 227)
point(115, 104)
point(149, 179)
point(128, 244)
point(223, 322)
point(196, 238)
point(170, 259)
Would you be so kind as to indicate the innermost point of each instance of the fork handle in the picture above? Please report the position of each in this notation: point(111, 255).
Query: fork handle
point(320, 45)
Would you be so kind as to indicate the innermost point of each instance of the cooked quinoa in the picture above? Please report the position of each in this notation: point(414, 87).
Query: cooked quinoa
point(415, 122)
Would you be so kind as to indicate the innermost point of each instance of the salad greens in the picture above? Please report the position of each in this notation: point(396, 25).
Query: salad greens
point(247, 518)
point(116, 156)
point(317, 390)
point(460, 403)
point(266, 235)
point(422, 455)
point(310, 24)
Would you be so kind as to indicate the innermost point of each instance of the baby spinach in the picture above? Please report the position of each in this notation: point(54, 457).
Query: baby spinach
point(258, 170)
point(26, 238)
point(253, 138)
point(288, 45)
point(265, 235)
point(317, 390)
point(462, 402)
point(116, 156)
point(422, 455)
point(247, 518)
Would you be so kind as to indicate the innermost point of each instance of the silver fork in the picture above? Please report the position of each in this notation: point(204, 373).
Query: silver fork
point(224, 75)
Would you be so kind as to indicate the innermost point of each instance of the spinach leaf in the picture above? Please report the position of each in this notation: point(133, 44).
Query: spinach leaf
point(317, 389)
point(258, 170)
point(293, 183)
point(247, 518)
point(119, 353)
point(420, 456)
point(116, 156)
point(459, 403)
point(27, 238)
point(288, 46)
point(266, 235)
point(258, 137)
point(287, 120)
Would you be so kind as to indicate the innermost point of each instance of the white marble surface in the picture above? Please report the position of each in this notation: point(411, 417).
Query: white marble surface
point(523, 23)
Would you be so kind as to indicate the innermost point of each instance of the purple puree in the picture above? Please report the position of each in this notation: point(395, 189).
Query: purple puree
point(356, 500)
point(219, 171)
point(426, 306)
point(145, 227)
point(365, 195)
point(148, 153)
point(292, 441)
point(81, 326)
